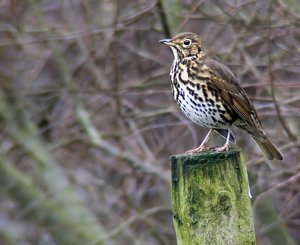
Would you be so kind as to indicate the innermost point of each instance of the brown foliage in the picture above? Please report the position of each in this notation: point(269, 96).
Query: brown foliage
point(91, 77)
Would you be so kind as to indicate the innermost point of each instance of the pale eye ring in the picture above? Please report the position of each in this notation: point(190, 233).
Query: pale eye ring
point(187, 42)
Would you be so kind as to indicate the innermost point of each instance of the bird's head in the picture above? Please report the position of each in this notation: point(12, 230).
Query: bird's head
point(186, 45)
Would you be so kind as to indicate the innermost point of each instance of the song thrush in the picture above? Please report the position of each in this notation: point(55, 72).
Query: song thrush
point(209, 94)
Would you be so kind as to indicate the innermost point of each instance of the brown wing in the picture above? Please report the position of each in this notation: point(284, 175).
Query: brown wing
point(231, 91)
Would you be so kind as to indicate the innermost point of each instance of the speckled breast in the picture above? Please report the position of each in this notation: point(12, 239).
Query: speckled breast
point(199, 103)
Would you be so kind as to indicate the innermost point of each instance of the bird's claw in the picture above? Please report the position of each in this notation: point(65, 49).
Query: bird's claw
point(197, 150)
point(223, 148)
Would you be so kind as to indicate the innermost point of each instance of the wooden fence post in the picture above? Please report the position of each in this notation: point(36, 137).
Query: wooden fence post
point(210, 199)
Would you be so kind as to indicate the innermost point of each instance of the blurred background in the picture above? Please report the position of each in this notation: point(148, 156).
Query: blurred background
point(88, 121)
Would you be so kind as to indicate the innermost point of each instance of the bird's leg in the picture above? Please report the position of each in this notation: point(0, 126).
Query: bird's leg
point(226, 146)
point(202, 147)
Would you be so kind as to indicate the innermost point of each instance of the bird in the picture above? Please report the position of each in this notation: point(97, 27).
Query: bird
point(209, 94)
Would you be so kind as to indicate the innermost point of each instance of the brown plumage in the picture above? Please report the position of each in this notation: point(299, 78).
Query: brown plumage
point(209, 94)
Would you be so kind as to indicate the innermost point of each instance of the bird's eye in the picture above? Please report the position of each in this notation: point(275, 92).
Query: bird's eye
point(187, 42)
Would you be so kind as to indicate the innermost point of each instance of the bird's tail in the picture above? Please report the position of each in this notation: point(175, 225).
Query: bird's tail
point(267, 147)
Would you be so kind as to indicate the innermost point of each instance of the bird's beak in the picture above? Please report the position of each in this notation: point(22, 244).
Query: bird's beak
point(166, 41)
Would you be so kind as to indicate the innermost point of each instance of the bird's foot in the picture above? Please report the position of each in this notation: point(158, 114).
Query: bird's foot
point(223, 148)
point(198, 149)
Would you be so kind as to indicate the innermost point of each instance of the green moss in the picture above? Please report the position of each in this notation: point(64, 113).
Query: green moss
point(210, 199)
